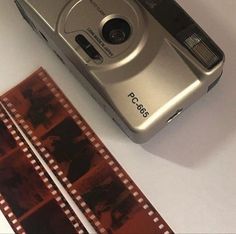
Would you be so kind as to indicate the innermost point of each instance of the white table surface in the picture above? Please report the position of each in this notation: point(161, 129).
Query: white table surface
point(188, 170)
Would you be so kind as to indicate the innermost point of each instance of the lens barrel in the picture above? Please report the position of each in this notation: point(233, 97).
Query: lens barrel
point(116, 31)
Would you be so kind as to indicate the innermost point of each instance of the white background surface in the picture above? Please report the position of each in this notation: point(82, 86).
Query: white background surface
point(188, 170)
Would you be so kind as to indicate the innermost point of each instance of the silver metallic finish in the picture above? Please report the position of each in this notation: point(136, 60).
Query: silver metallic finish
point(151, 64)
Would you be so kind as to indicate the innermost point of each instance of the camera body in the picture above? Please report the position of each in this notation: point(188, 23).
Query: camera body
point(144, 61)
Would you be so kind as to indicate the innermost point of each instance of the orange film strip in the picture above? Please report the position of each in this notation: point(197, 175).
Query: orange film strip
point(101, 188)
point(29, 199)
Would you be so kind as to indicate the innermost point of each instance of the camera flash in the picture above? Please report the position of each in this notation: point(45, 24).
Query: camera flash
point(201, 50)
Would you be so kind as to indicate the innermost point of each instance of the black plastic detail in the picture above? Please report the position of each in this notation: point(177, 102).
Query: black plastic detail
point(213, 84)
point(183, 28)
point(43, 36)
point(204, 50)
point(89, 48)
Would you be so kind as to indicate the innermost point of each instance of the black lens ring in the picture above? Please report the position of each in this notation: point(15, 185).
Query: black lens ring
point(116, 31)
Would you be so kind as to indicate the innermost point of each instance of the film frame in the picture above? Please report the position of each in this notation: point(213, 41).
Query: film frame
point(54, 198)
point(152, 216)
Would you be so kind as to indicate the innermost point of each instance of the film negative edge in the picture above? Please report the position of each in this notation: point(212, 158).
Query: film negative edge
point(55, 168)
point(162, 226)
point(95, 140)
point(46, 179)
point(10, 216)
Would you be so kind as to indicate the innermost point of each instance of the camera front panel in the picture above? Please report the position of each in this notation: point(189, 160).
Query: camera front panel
point(143, 70)
point(114, 31)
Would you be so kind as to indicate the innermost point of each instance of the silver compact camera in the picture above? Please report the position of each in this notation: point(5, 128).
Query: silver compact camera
point(144, 61)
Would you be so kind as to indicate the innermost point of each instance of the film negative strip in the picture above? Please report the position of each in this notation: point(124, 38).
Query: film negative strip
point(29, 199)
point(98, 184)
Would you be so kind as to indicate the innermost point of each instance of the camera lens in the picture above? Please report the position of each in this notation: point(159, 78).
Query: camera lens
point(116, 31)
